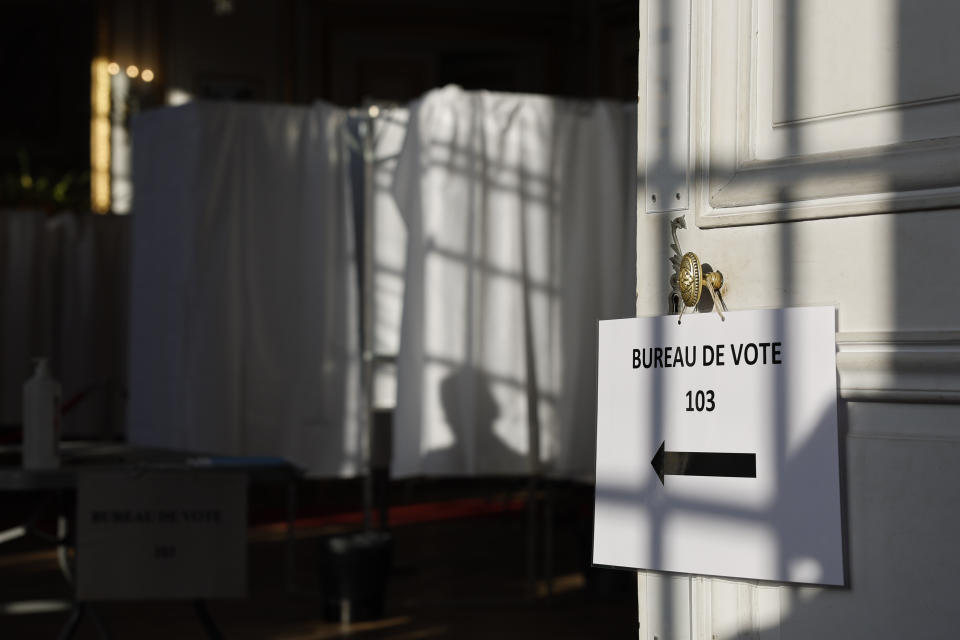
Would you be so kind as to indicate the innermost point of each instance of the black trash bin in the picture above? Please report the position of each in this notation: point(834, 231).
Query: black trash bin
point(353, 575)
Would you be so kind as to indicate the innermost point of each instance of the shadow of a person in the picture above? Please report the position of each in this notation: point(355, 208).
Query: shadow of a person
point(471, 410)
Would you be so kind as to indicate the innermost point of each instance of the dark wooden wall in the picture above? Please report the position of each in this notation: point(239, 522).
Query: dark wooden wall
point(344, 51)
point(45, 52)
point(352, 51)
point(381, 50)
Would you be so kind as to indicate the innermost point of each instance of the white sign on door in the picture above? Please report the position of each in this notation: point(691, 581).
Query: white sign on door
point(717, 450)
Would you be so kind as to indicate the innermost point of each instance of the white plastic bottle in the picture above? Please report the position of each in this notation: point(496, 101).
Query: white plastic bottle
point(41, 419)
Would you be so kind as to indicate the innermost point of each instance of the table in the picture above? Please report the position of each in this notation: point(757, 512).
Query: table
point(83, 456)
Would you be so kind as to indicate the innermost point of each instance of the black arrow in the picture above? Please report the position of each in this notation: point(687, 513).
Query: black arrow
point(703, 463)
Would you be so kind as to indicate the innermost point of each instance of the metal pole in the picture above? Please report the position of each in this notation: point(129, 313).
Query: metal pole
point(366, 130)
point(291, 547)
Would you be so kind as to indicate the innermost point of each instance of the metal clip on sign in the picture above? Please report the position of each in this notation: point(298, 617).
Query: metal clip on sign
point(689, 280)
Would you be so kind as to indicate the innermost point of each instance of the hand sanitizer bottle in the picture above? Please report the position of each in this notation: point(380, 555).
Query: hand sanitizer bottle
point(41, 419)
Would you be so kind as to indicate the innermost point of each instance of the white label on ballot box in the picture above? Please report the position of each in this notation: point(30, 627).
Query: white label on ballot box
point(161, 535)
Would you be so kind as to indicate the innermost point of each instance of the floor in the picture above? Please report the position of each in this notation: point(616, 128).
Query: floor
point(462, 567)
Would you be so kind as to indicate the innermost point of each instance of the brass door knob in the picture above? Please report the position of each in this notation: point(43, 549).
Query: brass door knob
point(691, 281)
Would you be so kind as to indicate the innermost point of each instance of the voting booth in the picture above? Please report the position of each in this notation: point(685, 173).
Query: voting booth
point(478, 235)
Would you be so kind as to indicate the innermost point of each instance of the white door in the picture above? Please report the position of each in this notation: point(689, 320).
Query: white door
point(813, 148)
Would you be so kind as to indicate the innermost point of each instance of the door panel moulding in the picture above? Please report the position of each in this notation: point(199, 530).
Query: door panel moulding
point(903, 367)
point(762, 171)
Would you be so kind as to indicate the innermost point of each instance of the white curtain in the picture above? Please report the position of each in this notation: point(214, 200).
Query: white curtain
point(25, 315)
point(520, 213)
point(64, 287)
point(244, 319)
